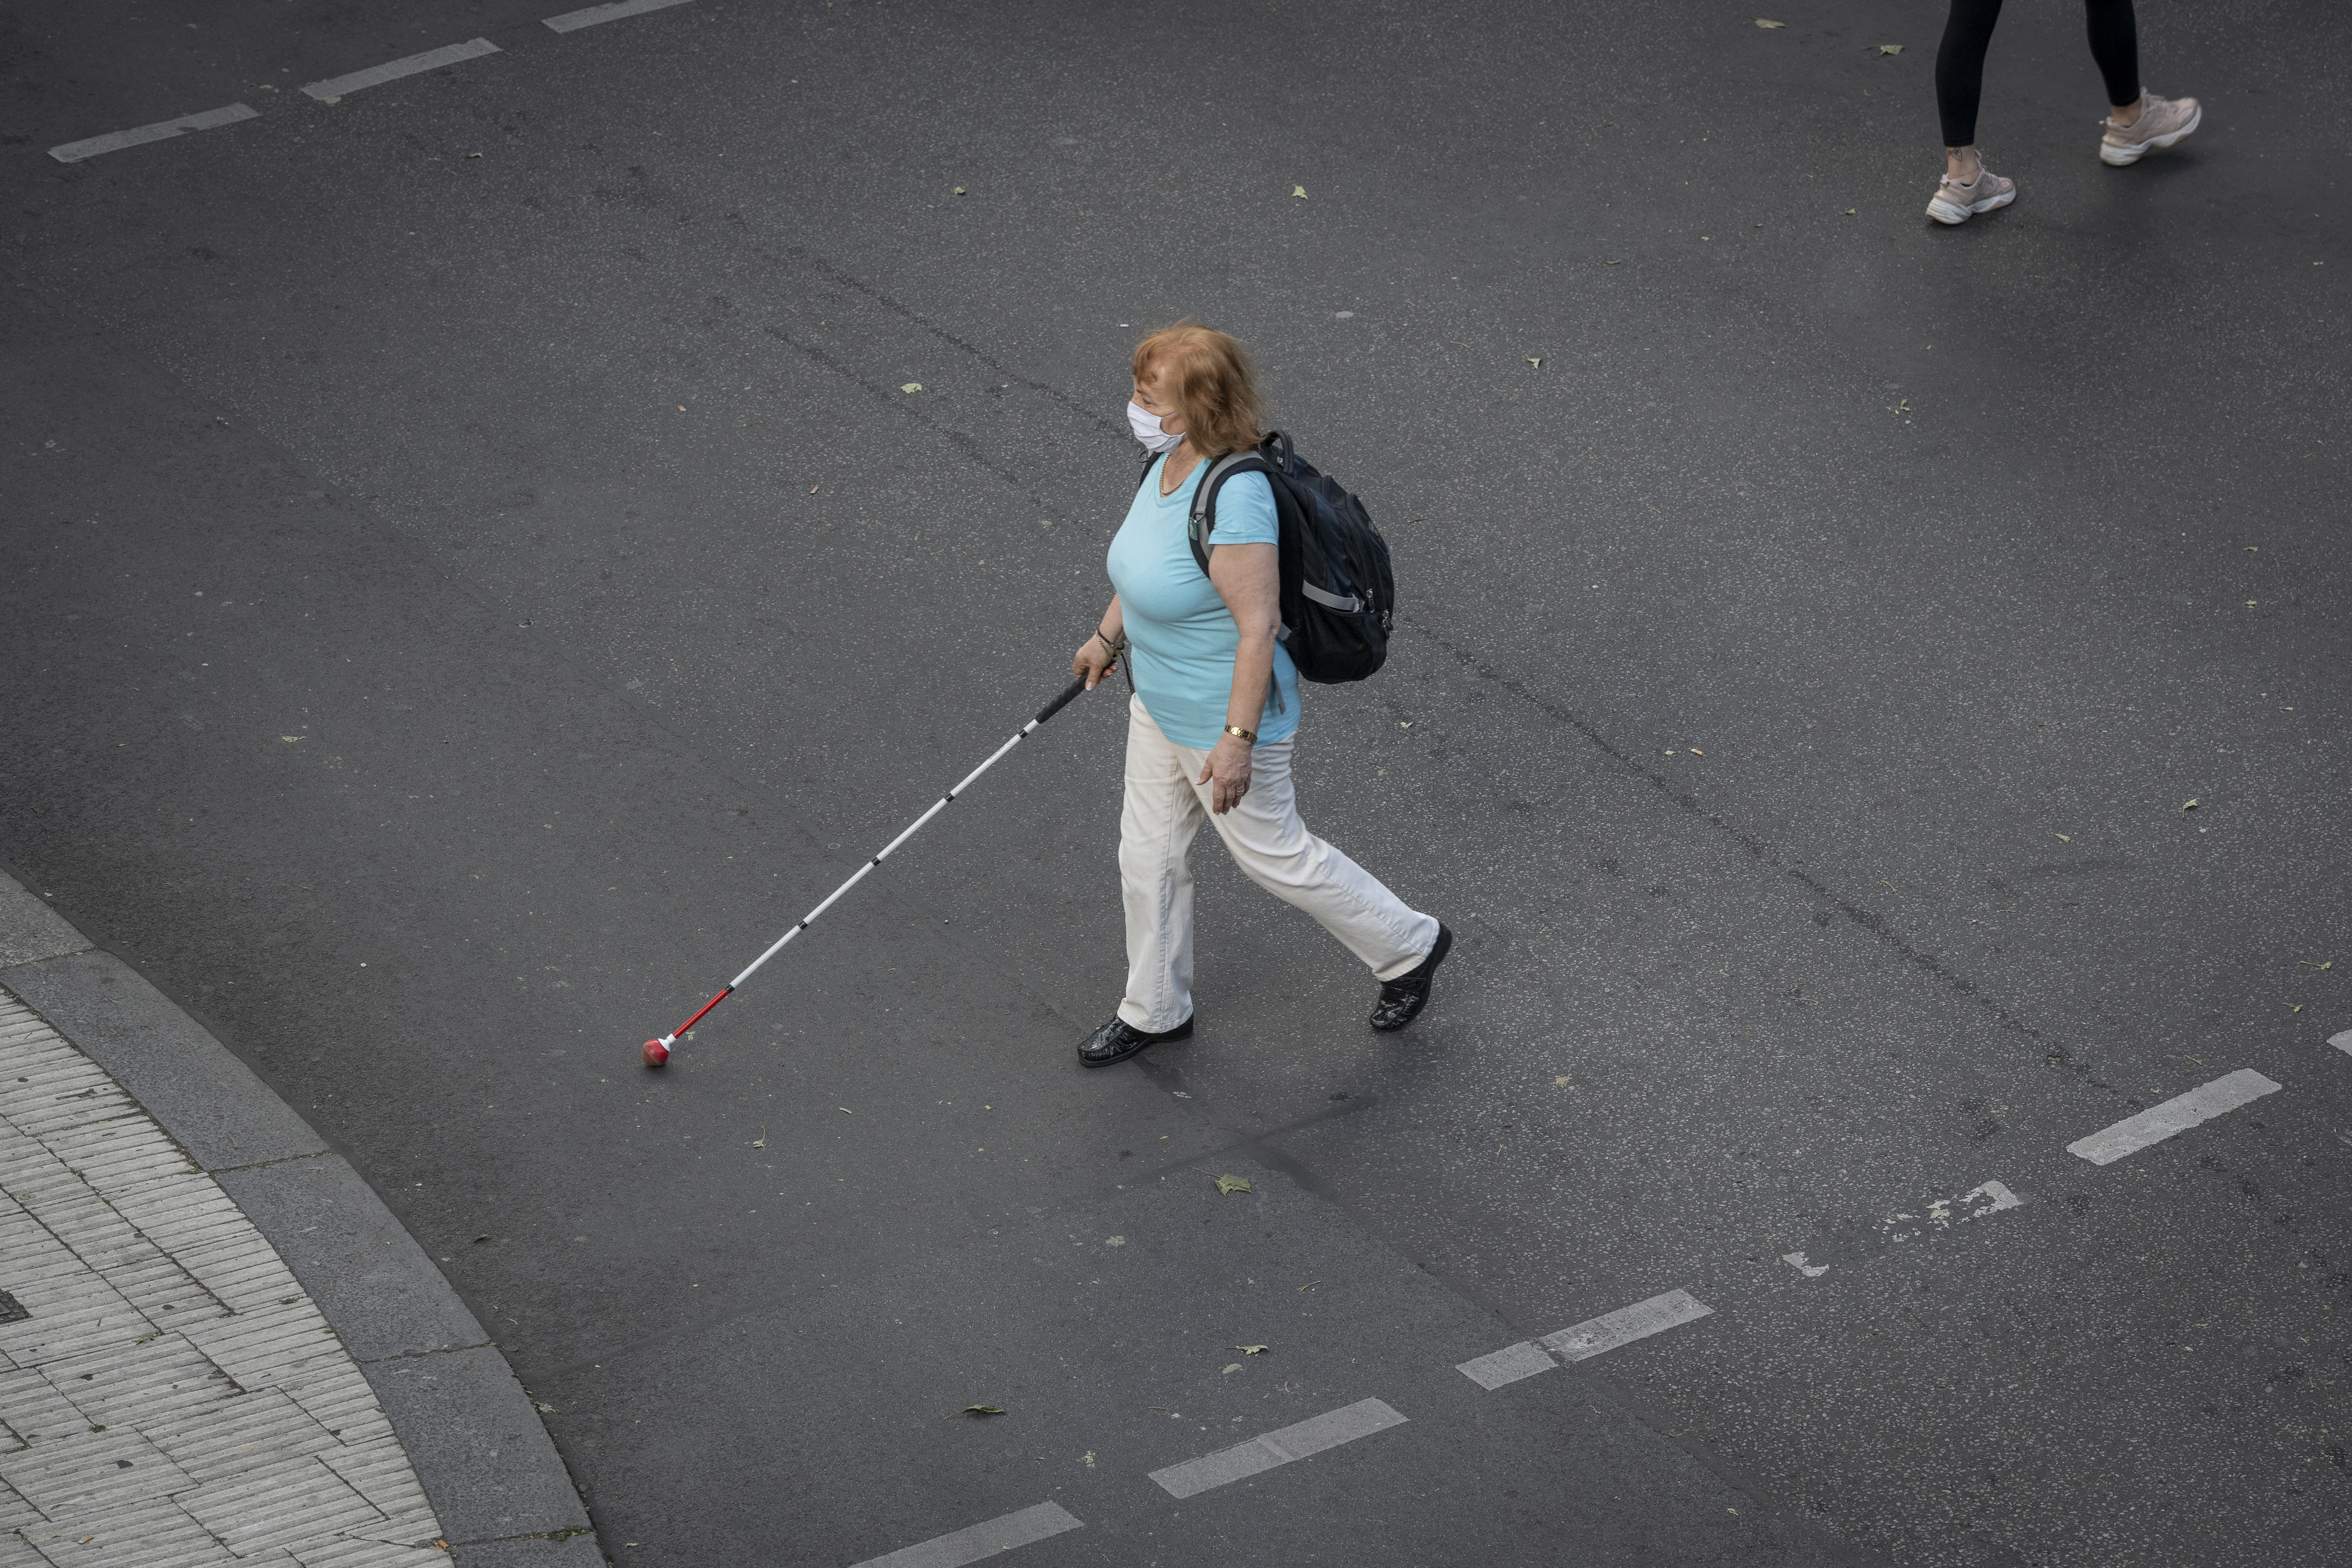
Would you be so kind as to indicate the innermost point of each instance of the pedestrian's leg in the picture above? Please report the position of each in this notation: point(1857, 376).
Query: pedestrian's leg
point(1960, 82)
point(2138, 121)
point(1156, 827)
point(2114, 45)
point(1273, 848)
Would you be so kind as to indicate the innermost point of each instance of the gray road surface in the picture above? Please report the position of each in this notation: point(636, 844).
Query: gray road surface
point(472, 576)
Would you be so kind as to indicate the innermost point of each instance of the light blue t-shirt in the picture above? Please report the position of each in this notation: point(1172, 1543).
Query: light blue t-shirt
point(1185, 640)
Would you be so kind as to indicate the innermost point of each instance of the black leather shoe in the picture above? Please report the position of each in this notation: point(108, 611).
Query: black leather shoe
point(1402, 999)
point(1119, 1039)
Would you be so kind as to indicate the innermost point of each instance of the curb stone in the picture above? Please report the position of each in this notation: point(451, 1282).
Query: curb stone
point(478, 1447)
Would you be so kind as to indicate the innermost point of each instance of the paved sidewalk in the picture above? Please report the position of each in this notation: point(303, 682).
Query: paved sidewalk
point(173, 1394)
point(174, 1397)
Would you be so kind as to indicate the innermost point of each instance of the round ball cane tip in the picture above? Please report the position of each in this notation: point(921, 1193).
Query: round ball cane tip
point(656, 1054)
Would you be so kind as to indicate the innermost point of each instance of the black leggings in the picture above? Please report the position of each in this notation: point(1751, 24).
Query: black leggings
point(1959, 64)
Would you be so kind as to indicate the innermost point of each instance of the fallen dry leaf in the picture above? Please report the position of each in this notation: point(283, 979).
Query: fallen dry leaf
point(959, 190)
point(1762, 23)
point(1229, 1185)
point(1536, 363)
point(1890, 49)
point(2187, 806)
point(1299, 191)
point(912, 386)
point(1250, 1349)
point(982, 1410)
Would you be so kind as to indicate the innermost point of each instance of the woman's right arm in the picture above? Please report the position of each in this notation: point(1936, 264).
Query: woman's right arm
point(1100, 653)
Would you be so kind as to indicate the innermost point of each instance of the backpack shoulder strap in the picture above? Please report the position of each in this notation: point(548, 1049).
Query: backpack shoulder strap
point(1204, 500)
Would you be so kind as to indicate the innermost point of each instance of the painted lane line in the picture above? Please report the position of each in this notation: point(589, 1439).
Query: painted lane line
point(979, 1541)
point(1586, 1340)
point(1508, 1365)
point(163, 130)
point(1260, 1454)
point(1796, 1260)
point(334, 88)
point(2342, 1042)
point(2178, 1114)
point(1945, 1212)
point(1625, 1325)
point(572, 21)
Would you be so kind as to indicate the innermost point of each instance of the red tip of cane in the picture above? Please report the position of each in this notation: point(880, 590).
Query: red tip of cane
point(656, 1053)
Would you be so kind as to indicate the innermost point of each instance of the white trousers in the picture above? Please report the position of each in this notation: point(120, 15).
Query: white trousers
point(1165, 809)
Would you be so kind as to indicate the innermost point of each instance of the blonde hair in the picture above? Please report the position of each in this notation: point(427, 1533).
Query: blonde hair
point(1210, 380)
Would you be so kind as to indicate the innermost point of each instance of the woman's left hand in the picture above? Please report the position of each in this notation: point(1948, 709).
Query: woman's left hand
point(1229, 765)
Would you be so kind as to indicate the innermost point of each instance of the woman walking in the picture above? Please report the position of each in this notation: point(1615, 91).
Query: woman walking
point(2138, 124)
point(1215, 707)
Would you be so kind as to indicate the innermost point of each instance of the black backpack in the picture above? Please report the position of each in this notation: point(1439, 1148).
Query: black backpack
point(1338, 596)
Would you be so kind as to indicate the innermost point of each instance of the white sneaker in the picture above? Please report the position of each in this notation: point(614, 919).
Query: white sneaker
point(2161, 122)
point(1957, 202)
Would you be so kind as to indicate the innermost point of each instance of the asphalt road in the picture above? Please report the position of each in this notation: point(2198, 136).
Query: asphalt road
point(1870, 697)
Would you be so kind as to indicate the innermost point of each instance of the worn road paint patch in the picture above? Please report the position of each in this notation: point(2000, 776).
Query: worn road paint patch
point(1945, 1213)
point(163, 130)
point(393, 70)
point(572, 21)
point(2178, 1114)
point(2342, 1042)
point(1259, 1454)
point(979, 1541)
point(1796, 1260)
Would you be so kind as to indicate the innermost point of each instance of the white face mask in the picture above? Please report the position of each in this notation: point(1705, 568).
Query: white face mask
point(1146, 426)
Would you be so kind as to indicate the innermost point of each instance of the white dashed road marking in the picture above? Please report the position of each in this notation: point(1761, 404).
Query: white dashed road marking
point(1259, 1454)
point(572, 21)
point(115, 141)
point(2342, 1042)
point(1586, 1340)
point(393, 70)
point(2179, 1114)
point(1625, 1325)
point(1508, 1365)
point(980, 1541)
